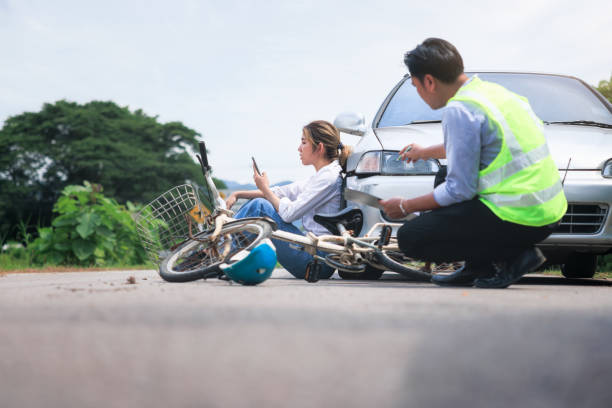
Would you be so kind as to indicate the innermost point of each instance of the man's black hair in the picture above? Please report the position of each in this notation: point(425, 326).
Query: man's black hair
point(436, 57)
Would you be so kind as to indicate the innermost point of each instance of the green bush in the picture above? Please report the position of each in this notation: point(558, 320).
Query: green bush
point(604, 263)
point(14, 257)
point(605, 88)
point(90, 229)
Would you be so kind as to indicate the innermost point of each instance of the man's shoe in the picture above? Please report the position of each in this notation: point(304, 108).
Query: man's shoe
point(463, 276)
point(528, 261)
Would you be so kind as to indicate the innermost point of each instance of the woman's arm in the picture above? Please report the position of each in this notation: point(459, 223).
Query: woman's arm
point(264, 191)
point(262, 183)
point(272, 198)
point(314, 193)
point(231, 200)
point(309, 195)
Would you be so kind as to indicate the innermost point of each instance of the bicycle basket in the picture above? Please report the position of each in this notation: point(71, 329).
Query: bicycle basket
point(164, 223)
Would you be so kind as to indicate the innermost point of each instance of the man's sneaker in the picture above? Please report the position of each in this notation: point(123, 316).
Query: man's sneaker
point(508, 273)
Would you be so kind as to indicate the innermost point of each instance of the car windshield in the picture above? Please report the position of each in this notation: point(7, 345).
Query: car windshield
point(553, 98)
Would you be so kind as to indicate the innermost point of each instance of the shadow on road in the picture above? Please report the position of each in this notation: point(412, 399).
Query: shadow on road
point(527, 280)
point(390, 277)
point(558, 280)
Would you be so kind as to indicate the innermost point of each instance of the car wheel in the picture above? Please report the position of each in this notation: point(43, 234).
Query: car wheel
point(580, 265)
point(370, 273)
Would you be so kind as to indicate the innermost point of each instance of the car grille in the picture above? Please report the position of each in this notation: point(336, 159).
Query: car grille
point(583, 219)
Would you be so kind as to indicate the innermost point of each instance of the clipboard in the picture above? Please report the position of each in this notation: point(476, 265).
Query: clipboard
point(362, 198)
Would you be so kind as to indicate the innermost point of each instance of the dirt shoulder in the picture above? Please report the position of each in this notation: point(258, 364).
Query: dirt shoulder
point(61, 269)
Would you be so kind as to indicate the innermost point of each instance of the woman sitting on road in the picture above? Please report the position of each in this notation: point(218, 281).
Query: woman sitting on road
point(320, 194)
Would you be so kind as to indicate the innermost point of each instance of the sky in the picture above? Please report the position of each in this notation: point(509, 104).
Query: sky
point(248, 75)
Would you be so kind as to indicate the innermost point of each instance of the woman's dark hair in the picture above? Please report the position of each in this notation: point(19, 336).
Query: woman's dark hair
point(436, 57)
point(321, 131)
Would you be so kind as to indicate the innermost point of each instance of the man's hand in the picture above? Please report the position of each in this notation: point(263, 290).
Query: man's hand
point(392, 208)
point(412, 153)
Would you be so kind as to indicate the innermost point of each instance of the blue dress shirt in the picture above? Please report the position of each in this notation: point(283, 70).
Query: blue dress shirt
point(471, 143)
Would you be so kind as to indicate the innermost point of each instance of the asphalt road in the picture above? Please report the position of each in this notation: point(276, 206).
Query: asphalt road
point(94, 340)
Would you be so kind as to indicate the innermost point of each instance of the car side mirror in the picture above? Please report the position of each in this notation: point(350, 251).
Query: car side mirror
point(351, 123)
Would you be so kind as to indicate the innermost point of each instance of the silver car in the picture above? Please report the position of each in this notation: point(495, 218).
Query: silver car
point(578, 128)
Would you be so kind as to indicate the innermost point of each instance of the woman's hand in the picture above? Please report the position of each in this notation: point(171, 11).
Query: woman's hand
point(261, 181)
point(412, 153)
point(392, 207)
point(231, 200)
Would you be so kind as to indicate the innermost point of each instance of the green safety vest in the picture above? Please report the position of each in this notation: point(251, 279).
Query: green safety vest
point(521, 184)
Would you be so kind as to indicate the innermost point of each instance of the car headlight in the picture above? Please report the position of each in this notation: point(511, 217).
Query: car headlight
point(607, 169)
point(387, 163)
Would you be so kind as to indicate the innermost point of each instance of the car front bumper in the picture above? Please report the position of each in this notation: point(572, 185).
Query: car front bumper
point(590, 199)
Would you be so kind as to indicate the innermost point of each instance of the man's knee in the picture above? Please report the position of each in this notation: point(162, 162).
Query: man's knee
point(410, 240)
point(406, 235)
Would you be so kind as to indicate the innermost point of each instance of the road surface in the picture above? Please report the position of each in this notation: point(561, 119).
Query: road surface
point(92, 339)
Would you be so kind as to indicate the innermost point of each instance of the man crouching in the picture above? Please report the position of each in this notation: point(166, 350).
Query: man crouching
point(502, 193)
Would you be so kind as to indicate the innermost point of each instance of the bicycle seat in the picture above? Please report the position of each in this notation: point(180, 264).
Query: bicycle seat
point(351, 218)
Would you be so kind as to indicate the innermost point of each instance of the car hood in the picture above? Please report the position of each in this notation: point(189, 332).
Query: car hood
point(588, 147)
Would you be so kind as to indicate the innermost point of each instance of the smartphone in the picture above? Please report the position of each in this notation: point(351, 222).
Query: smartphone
point(256, 167)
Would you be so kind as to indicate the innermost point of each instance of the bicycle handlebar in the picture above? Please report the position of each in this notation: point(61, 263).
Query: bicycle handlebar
point(204, 157)
point(214, 195)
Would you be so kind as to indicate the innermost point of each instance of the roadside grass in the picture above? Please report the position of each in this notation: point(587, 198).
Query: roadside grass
point(12, 263)
point(557, 272)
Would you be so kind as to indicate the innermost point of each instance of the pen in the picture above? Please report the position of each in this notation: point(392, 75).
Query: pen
point(399, 156)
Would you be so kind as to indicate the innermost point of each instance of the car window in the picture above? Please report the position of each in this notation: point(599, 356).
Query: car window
point(553, 99)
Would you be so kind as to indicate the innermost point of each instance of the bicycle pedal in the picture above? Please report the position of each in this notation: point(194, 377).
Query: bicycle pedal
point(385, 235)
point(313, 270)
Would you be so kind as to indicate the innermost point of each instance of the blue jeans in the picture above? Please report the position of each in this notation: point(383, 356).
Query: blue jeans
point(293, 260)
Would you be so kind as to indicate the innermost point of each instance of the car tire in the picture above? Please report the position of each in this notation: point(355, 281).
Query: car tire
point(370, 273)
point(580, 265)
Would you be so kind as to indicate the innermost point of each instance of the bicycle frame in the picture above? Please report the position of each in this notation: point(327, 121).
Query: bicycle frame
point(350, 248)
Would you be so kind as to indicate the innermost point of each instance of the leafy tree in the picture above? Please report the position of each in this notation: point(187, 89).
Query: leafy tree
point(90, 230)
point(131, 154)
point(605, 88)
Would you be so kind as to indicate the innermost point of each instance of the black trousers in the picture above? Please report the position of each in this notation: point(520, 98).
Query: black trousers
point(467, 231)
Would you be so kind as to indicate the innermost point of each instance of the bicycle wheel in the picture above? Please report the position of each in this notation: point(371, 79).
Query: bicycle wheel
point(200, 258)
point(396, 262)
point(336, 261)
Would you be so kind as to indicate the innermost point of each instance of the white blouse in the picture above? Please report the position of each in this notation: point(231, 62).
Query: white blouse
point(320, 194)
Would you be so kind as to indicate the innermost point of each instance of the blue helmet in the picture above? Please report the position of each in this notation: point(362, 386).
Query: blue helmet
point(251, 267)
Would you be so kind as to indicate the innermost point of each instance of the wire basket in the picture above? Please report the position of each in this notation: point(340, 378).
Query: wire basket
point(164, 223)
